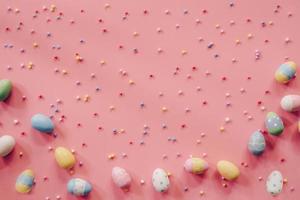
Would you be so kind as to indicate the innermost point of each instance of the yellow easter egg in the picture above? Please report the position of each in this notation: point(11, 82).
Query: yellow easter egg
point(228, 170)
point(64, 158)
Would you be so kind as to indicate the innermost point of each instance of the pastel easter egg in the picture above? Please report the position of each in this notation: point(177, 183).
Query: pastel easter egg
point(274, 183)
point(7, 144)
point(285, 72)
point(195, 165)
point(290, 103)
point(160, 180)
point(42, 123)
point(79, 187)
point(25, 181)
point(257, 143)
point(5, 89)
point(274, 124)
point(64, 158)
point(120, 177)
point(228, 170)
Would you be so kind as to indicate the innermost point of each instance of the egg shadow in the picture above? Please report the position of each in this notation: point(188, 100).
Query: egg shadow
point(42, 139)
point(134, 187)
point(12, 156)
point(217, 179)
point(295, 140)
point(94, 194)
point(194, 179)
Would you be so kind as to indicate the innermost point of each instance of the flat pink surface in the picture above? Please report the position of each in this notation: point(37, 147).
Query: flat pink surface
point(167, 40)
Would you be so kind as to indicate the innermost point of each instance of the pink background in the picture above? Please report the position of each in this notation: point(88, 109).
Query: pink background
point(143, 159)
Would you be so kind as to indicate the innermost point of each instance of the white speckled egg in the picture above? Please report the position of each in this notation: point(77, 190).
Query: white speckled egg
point(7, 144)
point(274, 183)
point(160, 180)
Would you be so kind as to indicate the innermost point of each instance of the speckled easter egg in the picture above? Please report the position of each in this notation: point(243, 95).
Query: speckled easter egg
point(274, 124)
point(120, 177)
point(160, 180)
point(25, 181)
point(42, 123)
point(79, 187)
point(64, 158)
point(290, 103)
point(228, 170)
point(285, 72)
point(257, 143)
point(5, 89)
point(195, 165)
point(274, 183)
point(7, 144)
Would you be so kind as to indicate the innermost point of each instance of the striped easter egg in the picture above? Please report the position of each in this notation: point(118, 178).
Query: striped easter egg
point(285, 72)
point(25, 181)
point(79, 187)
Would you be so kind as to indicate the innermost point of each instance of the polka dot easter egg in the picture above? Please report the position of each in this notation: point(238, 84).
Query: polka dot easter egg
point(274, 183)
point(5, 89)
point(64, 158)
point(285, 72)
point(42, 123)
point(274, 124)
point(195, 165)
point(160, 180)
point(290, 103)
point(79, 187)
point(257, 143)
point(25, 181)
point(121, 178)
point(7, 144)
point(228, 170)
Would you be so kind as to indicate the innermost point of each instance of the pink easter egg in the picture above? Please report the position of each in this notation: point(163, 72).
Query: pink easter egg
point(120, 177)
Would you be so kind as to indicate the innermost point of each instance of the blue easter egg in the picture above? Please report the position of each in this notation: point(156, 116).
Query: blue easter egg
point(79, 187)
point(257, 143)
point(42, 123)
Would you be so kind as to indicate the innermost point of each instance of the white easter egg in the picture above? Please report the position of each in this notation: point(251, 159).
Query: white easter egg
point(160, 180)
point(7, 144)
point(274, 183)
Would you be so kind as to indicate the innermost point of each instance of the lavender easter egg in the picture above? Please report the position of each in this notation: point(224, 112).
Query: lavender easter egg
point(160, 180)
point(42, 123)
point(290, 103)
point(7, 144)
point(274, 183)
point(286, 72)
point(257, 143)
point(195, 165)
point(274, 124)
point(120, 177)
point(79, 187)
